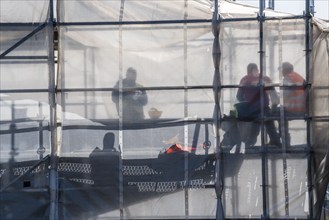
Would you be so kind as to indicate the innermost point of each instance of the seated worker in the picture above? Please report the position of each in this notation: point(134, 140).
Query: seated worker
point(294, 98)
point(105, 163)
point(249, 93)
point(133, 100)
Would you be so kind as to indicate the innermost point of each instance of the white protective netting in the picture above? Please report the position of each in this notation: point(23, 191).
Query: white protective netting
point(171, 46)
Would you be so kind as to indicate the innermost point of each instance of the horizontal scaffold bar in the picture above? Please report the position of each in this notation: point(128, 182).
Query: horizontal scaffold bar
point(92, 23)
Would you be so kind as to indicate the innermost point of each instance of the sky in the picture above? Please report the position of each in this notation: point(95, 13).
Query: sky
point(295, 6)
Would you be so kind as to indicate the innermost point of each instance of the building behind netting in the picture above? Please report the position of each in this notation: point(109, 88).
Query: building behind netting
point(128, 109)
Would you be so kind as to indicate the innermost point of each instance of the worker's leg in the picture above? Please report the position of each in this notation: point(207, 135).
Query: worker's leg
point(253, 130)
point(272, 133)
point(272, 130)
point(286, 133)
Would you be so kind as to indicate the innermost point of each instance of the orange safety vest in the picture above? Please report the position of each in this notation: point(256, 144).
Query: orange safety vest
point(294, 98)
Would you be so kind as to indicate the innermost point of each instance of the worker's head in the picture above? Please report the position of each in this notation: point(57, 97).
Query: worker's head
point(131, 74)
point(252, 69)
point(108, 141)
point(287, 68)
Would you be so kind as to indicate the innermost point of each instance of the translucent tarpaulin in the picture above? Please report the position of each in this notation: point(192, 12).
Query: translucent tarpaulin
point(320, 110)
point(88, 143)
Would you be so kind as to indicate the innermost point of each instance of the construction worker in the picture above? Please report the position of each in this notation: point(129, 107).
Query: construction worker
point(294, 96)
point(249, 95)
point(134, 98)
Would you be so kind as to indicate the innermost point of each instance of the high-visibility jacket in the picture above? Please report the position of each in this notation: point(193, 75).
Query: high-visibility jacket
point(294, 98)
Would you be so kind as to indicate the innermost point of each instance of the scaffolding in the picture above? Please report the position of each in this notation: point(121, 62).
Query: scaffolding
point(72, 147)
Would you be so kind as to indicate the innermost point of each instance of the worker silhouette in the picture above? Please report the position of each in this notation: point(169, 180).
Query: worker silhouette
point(294, 96)
point(105, 163)
point(134, 97)
point(108, 142)
point(249, 96)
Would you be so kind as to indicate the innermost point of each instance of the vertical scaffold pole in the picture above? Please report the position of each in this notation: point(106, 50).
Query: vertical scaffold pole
point(309, 11)
point(261, 87)
point(53, 180)
point(282, 129)
point(186, 127)
point(121, 133)
point(216, 89)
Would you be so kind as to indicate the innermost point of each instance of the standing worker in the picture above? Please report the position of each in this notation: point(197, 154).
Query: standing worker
point(133, 97)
